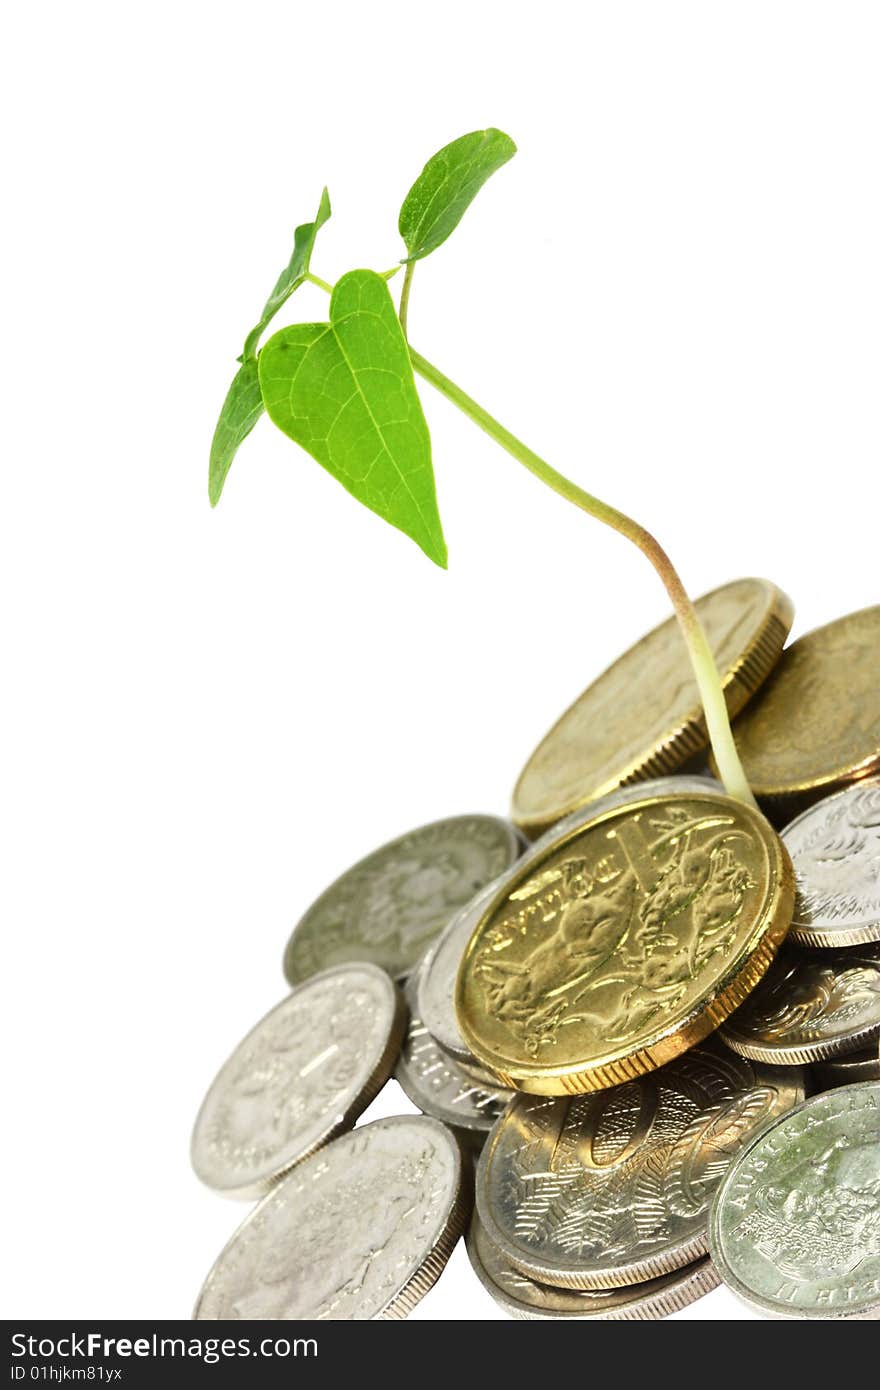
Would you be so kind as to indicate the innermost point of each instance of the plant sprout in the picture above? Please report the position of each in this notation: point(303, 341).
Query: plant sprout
point(345, 391)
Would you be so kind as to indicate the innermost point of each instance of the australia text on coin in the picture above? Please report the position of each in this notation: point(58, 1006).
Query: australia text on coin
point(306, 1071)
point(358, 1231)
point(795, 1228)
point(623, 943)
point(603, 1190)
point(835, 850)
point(389, 907)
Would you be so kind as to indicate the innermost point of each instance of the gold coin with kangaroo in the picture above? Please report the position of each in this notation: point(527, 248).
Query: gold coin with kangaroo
point(625, 942)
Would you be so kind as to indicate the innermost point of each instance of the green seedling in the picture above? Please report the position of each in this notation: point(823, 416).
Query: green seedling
point(345, 391)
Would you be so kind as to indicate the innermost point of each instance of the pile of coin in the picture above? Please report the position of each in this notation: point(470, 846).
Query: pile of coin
point(642, 1022)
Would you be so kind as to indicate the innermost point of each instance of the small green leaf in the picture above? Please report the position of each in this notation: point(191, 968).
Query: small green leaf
point(293, 273)
point(241, 411)
point(447, 186)
point(244, 404)
point(344, 390)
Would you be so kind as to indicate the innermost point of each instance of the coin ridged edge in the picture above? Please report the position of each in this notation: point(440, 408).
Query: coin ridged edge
point(687, 1033)
point(695, 1282)
point(825, 939)
point(818, 1051)
point(691, 736)
point(426, 1276)
point(344, 1122)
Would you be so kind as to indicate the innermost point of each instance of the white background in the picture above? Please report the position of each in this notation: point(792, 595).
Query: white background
point(673, 292)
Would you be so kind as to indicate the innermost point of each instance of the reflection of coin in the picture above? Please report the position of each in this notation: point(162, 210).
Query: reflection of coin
point(843, 1071)
point(389, 907)
point(523, 1297)
point(623, 942)
point(643, 717)
point(437, 1084)
point(605, 1190)
point(835, 850)
point(305, 1073)
point(815, 726)
point(436, 984)
point(360, 1230)
point(795, 1228)
point(809, 1006)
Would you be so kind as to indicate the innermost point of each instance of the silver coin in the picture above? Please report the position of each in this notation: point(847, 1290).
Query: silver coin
point(437, 980)
point(844, 1071)
point(360, 1230)
point(835, 849)
point(302, 1075)
point(391, 906)
point(439, 1087)
point(795, 1227)
point(523, 1297)
point(613, 1187)
point(811, 1005)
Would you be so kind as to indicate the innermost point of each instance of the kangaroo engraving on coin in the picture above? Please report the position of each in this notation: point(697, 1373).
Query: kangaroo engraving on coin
point(360, 1230)
point(305, 1072)
point(389, 907)
point(810, 1005)
point(795, 1228)
point(623, 942)
point(835, 850)
point(610, 1189)
point(523, 1297)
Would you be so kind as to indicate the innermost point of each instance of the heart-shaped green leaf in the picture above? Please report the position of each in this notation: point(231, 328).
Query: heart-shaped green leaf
point(344, 390)
point(241, 411)
point(447, 186)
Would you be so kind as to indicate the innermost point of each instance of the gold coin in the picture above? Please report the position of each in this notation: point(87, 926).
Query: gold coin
point(643, 717)
point(624, 942)
point(815, 727)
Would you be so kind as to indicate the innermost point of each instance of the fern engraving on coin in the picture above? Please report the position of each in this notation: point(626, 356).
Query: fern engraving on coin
point(614, 1188)
point(523, 1297)
point(389, 907)
point(815, 727)
point(303, 1074)
point(835, 850)
point(360, 1230)
point(810, 1005)
point(623, 943)
point(795, 1229)
point(642, 717)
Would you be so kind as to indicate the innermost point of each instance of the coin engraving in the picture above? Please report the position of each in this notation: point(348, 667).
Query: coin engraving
point(302, 1074)
point(613, 1188)
point(816, 723)
point(835, 850)
point(643, 717)
point(524, 1297)
point(796, 1226)
point(600, 945)
point(809, 1006)
point(360, 1230)
point(391, 905)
